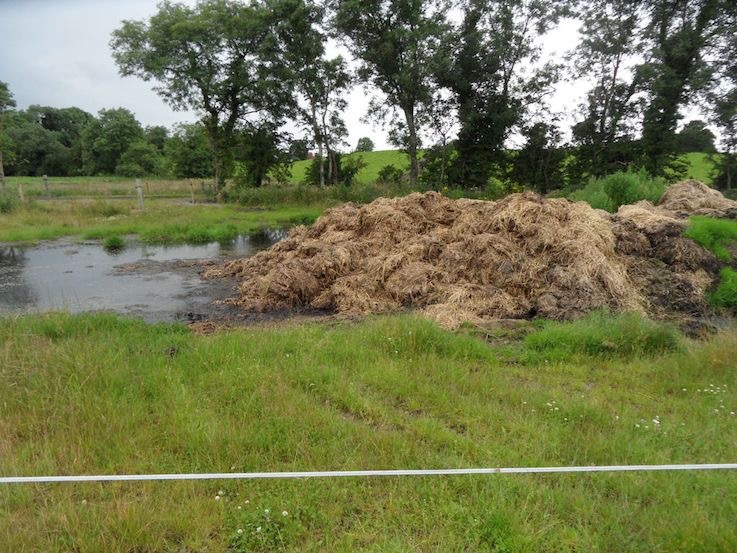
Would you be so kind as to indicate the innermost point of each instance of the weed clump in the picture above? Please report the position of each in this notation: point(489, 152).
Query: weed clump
point(114, 244)
point(602, 334)
point(726, 293)
point(617, 189)
point(713, 234)
point(8, 201)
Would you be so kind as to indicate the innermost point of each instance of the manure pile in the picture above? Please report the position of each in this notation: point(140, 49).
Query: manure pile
point(470, 260)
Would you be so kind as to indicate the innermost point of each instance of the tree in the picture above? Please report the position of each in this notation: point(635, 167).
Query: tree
point(188, 151)
point(481, 66)
point(365, 144)
point(106, 138)
point(695, 136)
point(36, 150)
point(539, 164)
point(320, 83)
point(262, 150)
point(6, 103)
point(157, 136)
point(608, 52)
point(682, 32)
point(217, 58)
point(140, 159)
point(396, 42)
point(299, 149)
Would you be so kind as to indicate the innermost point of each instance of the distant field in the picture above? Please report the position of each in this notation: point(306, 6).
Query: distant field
point(375, 161)
point(700, 166)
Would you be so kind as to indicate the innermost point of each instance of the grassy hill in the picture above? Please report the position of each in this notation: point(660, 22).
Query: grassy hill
point(699, 164)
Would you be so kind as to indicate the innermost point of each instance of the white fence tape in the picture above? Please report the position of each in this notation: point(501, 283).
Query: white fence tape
point(356, 473)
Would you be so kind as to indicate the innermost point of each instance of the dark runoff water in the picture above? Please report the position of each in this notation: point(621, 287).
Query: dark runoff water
point(77, 277)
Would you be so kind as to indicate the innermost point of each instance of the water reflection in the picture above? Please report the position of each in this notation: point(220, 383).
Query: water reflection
point(82, 277)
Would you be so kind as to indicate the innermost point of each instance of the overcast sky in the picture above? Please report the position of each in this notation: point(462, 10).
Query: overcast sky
point(56, 53)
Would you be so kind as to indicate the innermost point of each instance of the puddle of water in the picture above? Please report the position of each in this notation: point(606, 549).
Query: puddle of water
point(63, 275)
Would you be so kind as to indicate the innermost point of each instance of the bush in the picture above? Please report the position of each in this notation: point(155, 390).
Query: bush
point(114, 244)
point(726, 293)
point(390, 174)
point(8, 201)
point(713, 234)
point(602, 334)
point(619, 189)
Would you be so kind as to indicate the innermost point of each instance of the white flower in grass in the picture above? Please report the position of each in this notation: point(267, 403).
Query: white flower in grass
point(246, 502)
point(284, 513)
point(258, 529)
point(266, 511)
point(240, 530)
point(217, 498)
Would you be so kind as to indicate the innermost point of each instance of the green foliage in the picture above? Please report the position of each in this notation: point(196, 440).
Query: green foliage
point(389, 174)
point(365, 144)
point(618, 189)
point(188, 152)
point(262, 151)
point(695, 136)
point(539, 164)
point(8, 200)
point(139, 160)
point(105, 139)
point(713, 234)
point(602, 334)
point(114, 244)
point(725, 294)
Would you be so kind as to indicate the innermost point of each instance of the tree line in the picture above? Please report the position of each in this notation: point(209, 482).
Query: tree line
point(453, 81)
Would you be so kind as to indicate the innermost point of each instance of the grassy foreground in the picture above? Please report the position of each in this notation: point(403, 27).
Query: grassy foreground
point(161, 221)
point(98, 394)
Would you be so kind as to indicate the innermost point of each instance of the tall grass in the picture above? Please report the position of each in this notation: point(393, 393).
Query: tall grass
point(713, 234)
point(617, 189)
point(603, 335)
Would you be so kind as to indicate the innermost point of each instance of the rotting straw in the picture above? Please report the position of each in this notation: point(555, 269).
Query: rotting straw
point(360, 473)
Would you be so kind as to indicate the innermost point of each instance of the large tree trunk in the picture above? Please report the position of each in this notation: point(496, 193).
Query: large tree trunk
point(414, 168)
point(319, 142)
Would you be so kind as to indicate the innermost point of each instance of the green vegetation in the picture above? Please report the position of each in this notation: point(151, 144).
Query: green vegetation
point(8, 201)
point(603, 335)
point(700, 165)
point(618, 189)
point(375, 162)
point(114, 243)
point(160, 222)
point(726, 293)
point(713, 234)
point(97, 394)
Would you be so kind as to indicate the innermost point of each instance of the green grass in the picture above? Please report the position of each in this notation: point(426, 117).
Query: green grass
point(603, 335)
point(700, 166)
point(96, 394)
point(108, 186)
point(375, 161)
point(726, 293)
point(715, 235)
point(161, 222)
point(617, 189)
point(114, 243)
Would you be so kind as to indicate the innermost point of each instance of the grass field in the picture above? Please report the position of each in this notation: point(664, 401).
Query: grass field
point(699, 165)
point(97, 394)
point(111, 186)
point(161, 222)
point(375, 161)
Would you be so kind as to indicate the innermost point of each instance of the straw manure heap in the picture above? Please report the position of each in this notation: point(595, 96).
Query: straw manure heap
point(469, 260)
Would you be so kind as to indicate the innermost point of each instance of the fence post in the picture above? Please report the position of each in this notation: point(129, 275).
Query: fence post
point(46, 186)
point(191, 189)
point(20, 193)
point(139, 193)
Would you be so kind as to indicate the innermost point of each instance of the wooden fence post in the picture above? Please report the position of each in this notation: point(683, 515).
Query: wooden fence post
point(46, 186)
point(139, 193)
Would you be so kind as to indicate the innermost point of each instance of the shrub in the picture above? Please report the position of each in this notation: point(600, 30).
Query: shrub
point(726, 293)
point(619, 189)
point(713, 234)
point(390, 174)
point(114, 244)
point(8, 201)
point(602, 334)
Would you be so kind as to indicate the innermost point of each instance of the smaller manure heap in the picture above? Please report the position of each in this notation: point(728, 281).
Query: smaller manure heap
point(470, 260)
